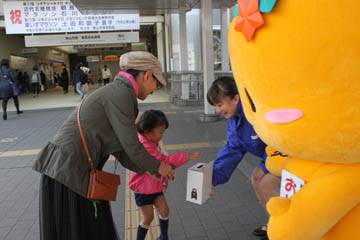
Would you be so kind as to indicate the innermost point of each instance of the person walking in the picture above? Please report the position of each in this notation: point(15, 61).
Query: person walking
point(106, 75)
point(35, 79)
point(107, 118)
point(78, 79)
point(7, 79)
point(65, 79)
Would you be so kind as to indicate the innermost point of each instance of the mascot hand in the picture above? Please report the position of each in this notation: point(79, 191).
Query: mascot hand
point(278, 206)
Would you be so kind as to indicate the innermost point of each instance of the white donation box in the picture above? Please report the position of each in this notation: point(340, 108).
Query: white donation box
point(199, 180)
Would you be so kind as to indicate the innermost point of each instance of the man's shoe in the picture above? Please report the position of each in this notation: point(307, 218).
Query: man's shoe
point(19, 112)
point(260, 232)
point(5, 116)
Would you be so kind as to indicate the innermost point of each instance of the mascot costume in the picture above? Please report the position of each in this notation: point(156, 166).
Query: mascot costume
point(297, 68)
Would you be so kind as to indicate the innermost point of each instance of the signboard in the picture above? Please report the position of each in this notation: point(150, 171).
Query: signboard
point(26, 17)
point(111, 58)
point(26, 51)
point(111, 45)
point(83, 38)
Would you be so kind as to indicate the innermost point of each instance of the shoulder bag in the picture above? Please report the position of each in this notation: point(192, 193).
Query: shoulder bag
point(102, 185)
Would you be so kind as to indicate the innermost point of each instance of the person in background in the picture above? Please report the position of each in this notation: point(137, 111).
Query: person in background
point(26, 83)
point(65, 79)
point(100, 80)
point(43, 80)
point(21, 81)
point(7, 79)
point(148, 191)
point(78, 76)
point(35, 79)
point(107, 119)
point(106, 75)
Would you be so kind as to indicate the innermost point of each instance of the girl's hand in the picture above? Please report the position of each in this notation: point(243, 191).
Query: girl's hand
point(211, 191)
point(194, 155)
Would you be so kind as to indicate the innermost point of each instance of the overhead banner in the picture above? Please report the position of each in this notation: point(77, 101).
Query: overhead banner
point(83, 38)
point(27, 17)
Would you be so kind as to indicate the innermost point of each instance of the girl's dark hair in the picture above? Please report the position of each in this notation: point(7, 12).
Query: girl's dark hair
point(151, 119)
point(134, 72)
point(221, 87)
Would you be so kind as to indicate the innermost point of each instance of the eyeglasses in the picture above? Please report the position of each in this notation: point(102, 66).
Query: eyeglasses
point(158, 84)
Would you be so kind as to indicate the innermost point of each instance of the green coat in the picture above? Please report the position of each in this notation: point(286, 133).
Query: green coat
point(108, 122)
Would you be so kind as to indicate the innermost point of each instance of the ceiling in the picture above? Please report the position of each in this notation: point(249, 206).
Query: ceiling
point(146, 7)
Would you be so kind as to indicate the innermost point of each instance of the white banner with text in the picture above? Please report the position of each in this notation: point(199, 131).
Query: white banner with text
point(27, 17)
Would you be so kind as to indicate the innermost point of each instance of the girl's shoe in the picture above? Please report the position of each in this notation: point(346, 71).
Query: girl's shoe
point(260, 232)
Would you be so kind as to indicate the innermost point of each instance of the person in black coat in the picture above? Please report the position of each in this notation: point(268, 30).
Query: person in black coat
point(7, 78)
point(65, 79)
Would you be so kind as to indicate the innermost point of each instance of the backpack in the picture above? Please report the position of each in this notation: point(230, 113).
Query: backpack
point(34, 78)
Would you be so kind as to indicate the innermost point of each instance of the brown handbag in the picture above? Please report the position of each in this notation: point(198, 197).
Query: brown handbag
point(102, 185)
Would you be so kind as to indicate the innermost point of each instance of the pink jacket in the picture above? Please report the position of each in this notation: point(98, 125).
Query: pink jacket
point(146, 184)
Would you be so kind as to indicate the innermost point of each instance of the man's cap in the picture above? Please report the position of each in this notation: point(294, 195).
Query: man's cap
point(142, 61)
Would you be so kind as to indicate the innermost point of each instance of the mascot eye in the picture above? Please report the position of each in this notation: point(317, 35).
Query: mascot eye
point(251, 101)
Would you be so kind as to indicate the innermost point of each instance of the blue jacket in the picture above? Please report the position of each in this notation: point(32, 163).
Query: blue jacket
point(241, 138)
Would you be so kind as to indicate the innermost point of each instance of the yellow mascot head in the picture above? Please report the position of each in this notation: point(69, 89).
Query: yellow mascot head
point(298, 74)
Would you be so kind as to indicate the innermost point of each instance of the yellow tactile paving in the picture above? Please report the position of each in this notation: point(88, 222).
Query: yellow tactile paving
point(169, 147)
point(198, 145)
point(20, 153)
point(194, 111)
point(172, 147)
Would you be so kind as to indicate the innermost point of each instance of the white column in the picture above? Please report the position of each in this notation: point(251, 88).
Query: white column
point(207, 49)
point(160, 44)
point(183, 52)
point(225, 63)
point(167, 42)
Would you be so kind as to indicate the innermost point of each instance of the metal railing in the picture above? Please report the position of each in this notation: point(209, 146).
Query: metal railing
point(187, 87)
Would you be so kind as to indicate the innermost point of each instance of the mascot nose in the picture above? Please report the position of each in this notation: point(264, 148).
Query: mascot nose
point(283, 115)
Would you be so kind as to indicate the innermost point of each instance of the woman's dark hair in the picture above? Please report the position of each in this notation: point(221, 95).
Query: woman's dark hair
point(5, 62)
point(151, 119)
point(221, 87)
point(133, 72)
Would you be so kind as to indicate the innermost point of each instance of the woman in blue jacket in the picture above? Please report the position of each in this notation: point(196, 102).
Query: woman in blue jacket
point(241, 138)
point(7, 79)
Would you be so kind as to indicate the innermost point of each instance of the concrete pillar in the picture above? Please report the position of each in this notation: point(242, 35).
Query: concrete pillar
point(225, 61)
point(167, 42)
point(207, 57)
point(160, 44)
point(183, 52)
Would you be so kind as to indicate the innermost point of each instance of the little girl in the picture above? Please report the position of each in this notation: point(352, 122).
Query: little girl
point(149, 191)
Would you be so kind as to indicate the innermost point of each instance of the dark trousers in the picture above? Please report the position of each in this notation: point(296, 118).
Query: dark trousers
point(106, 81)
point(5, 102)
point(35, 88)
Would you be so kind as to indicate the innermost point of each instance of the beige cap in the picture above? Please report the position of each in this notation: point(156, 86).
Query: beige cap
point(142, 61)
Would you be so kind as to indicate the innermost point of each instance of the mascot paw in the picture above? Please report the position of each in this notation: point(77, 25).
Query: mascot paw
point(278, 206)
